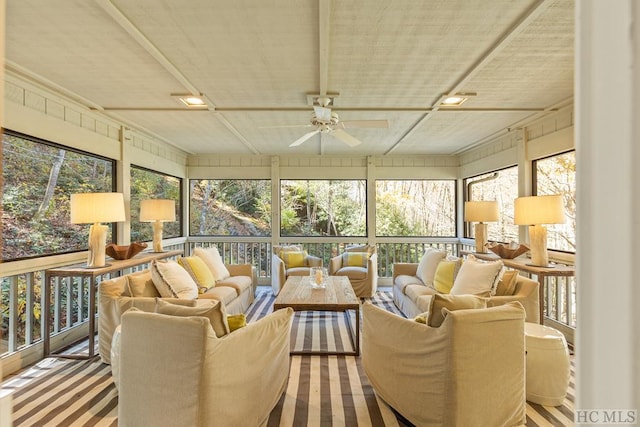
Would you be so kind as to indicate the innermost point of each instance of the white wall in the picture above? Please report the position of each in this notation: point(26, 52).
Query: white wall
point(608, 206)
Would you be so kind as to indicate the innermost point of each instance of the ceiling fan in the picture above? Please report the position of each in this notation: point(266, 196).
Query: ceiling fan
point(327, 122)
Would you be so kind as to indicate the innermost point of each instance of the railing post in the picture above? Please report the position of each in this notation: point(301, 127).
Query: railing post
point(13, 313)
point(28, 310)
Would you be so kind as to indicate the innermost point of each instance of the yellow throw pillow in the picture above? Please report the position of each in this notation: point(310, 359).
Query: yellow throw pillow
point(355, 259)
point(507, 286)
point(293, 258)
point(236, 321)
point(199, 272)
point(445, 275)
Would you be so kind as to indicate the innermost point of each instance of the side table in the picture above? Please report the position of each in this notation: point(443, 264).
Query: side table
point(81, 271)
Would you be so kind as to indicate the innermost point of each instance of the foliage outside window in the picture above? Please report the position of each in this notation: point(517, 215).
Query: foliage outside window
point(230, 207)
point(557, 175)
point(38, 180)
point(416, 208)
point(323, 207)
point(501, 186)
point(147, 184)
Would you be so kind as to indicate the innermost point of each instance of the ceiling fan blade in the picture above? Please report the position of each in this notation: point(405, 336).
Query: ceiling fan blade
point(285, 126)
point(303, 138)
point(322, 113)
point(381, 124)
point(345, 137)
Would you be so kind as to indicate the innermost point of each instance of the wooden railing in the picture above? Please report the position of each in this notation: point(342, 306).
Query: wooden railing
point(22, 329)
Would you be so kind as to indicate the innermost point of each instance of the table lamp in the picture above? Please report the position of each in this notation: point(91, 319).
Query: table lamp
point(481, 211)
point(535, 211)
point(94, 208)
point(157, 211)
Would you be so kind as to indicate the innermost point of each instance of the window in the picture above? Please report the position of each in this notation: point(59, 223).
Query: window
point(147, 184)
point(38, 180)
point(230, 207)
point(323, 207)
point(557, 175)
point(501, 186)
point(416, 208)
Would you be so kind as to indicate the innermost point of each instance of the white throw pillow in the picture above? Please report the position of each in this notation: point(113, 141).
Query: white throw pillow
point(173, 281)
point(428, 265)
point(476, 277)
point(213, 260)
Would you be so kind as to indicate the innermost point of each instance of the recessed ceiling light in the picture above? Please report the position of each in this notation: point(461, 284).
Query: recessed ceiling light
point(190, 100)
point(455, 100)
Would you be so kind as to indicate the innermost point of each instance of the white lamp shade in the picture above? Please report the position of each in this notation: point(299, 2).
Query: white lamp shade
point(481, 211)
point(157, 210)
point(88, 208)
point(536, 210)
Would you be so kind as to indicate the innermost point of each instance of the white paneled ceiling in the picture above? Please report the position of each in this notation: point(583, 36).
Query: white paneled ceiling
point(256, 61)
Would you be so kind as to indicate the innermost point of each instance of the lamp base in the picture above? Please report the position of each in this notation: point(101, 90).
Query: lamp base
point(481, 238)
point(157, 237)
point(96, 257)
point(538, 239)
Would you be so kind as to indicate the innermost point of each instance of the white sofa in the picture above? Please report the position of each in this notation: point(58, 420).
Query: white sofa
point(137, 290)
point(411, 295)
point(174, 371)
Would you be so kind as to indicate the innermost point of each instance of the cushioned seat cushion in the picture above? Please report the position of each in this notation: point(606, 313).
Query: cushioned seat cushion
point(213, 310)
point(298, 271)
point(356, 273)
point(403, 280)
point(140, 284)
point(226, 294)
point(239, 283)
point(439, 302)
point(415, 291)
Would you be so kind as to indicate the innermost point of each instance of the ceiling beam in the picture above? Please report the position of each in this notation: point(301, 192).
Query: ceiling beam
point(355, 109)
point(489, 55)
point(147, 45)
point(324, 31)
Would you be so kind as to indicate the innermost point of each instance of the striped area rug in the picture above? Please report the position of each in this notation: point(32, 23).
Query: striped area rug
point(322, 390)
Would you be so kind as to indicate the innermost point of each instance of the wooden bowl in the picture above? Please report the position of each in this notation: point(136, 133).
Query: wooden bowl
point(510, 251)
point(125, 252)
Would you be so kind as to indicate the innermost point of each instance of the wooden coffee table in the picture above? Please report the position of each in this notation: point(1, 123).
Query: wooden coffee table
point(337, 295)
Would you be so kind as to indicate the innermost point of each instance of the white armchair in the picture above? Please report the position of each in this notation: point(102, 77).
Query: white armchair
point(290, 261)
point(470, 371)
point(363, 273)
point(174, 371)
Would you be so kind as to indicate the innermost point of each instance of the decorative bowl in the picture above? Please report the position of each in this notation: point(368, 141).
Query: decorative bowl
point(125, 251)
point(509, 251)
